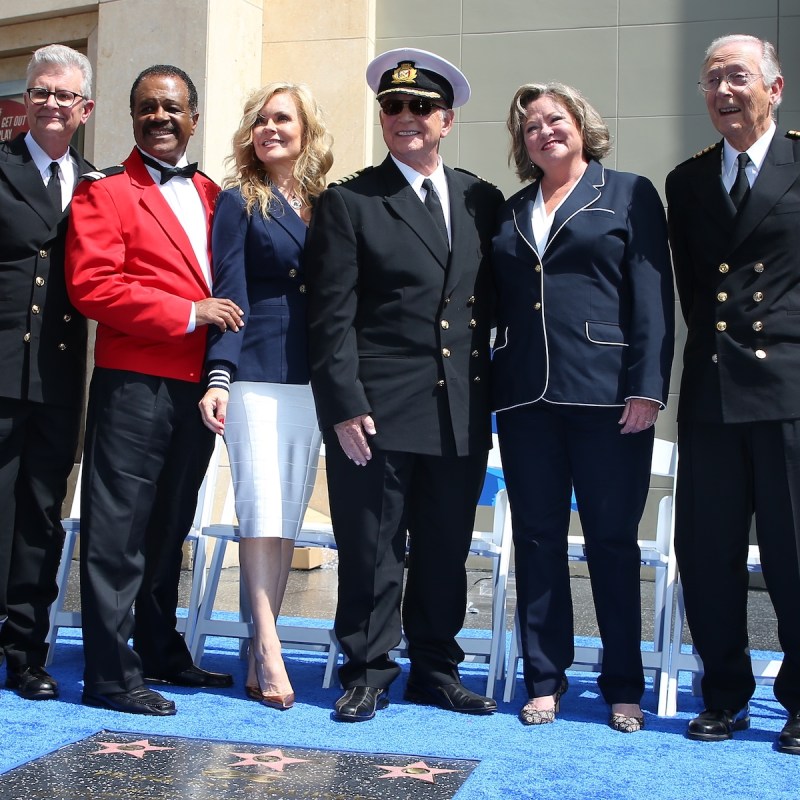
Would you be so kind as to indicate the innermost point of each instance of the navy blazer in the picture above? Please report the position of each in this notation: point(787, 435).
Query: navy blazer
point(590, 321)
point(257, 263)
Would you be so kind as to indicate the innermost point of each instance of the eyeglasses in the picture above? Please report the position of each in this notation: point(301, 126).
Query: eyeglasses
point(736, 79)
point(418, 107)
point(64, 98)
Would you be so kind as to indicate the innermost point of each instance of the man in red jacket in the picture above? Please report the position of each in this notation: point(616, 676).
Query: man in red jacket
point(139, 263)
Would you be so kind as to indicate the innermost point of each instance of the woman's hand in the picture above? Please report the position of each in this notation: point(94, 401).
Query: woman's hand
point(639, 415)
point(212, 410)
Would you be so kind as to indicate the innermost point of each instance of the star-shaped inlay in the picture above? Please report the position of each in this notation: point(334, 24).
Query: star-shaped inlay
point(135, 749)
point(419, 771)
point(274, 759)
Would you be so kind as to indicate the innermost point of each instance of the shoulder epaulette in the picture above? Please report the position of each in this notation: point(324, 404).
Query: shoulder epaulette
point(99, 174)
point(473, 175)
point(793, 134)
point(350, 177)
point(706, 150)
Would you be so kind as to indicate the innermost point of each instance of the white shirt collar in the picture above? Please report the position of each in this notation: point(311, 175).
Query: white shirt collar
point(438, 178)
point(43, 161)
point(757, 152)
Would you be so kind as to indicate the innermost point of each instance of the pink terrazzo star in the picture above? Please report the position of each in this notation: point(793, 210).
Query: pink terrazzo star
point(419, 771)
point(278, 760)
point(135, 749)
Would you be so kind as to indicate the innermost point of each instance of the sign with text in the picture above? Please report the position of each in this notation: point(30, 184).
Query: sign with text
point(13, 120)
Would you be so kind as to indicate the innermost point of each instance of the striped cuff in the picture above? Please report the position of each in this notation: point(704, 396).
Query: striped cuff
point(219, 377)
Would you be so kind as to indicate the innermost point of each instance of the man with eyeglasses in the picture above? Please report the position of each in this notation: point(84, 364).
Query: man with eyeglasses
point(43, 353)
point(400, 307)
point(734, 218)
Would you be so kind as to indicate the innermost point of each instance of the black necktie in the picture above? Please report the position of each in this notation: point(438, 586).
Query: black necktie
point(741, 186)
point(54, 186)
point(169, 172)
point(435, 208)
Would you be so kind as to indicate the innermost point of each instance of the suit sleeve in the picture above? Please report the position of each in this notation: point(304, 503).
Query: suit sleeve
point(228, 245)
point(331, 263)
point(652, 333)
point(97, 281)
point(681, 258)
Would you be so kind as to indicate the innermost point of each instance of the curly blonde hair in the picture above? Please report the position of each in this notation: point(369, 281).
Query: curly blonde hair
point(312, 165)
point(593, 130)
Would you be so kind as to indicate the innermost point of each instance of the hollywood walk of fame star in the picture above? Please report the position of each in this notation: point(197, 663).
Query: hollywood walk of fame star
point(135, 749)
point(419, 770)
point(277, 760)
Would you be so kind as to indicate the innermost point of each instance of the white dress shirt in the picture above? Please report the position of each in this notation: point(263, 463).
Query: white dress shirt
point(67, 168)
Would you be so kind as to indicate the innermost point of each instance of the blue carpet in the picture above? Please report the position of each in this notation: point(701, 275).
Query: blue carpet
point(578, 757)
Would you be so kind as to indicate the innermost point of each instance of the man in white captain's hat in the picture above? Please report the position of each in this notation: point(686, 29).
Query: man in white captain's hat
point(398, 274)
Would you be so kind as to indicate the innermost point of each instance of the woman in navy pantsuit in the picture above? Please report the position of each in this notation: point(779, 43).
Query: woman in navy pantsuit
point(580, 371)
point(259, 394)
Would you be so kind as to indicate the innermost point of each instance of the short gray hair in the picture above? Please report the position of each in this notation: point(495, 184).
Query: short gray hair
point(61, 57)
point(770, 66)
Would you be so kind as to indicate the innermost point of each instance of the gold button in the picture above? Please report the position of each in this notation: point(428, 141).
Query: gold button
point(440, 384)
point(62, 346)
point(723, 268)
point(475, 354)
point(477, 379)
point(292, 273)
point(302, 288)
point(722, 297)
point(758, 297)
point(760, 354)
point(445, 324)
point(43, 254)
point(721, 326)
point(472, 323)
point(759, 267)
point(67, 317)
point(446, 352)
point(471, 300)
point(714, 358)
point(758, 326)
point(26, 337)
point(537, 306)
point(35, 309)
point(39, 280)
point(446, 300)
point(538, 267)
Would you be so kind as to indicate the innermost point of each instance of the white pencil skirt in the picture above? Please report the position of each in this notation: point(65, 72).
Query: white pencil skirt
point(273, 445)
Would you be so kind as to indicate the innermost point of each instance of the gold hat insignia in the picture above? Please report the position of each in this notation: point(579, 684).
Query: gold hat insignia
point(405, 73)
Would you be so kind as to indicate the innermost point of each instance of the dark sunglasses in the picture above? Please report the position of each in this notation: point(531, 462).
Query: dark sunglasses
point(418, 107)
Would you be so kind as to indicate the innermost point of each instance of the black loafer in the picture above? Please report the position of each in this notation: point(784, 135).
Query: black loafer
point(195, 678)
point(789, 738)
point(32, 683)
point(136, 701)
point(450, 696)
point(717, 726)
point(360, 704)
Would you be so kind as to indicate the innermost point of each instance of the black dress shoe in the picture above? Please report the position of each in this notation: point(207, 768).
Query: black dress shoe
point(136, 701)
point(716, 726)
point(360, 704)
point(451, 696)
point(195, 678)
point(789, 738)
point(32, 683)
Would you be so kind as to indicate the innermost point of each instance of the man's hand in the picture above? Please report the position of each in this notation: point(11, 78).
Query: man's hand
point(225, 314)
point(353, 438)
point(639, 415)
point(212, 410)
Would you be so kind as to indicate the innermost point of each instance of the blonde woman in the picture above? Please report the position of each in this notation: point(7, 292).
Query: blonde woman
point(258, 394)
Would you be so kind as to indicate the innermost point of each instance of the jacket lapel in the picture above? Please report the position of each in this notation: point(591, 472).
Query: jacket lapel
point(289, 220)
point(583, 196)
point(22, 174)
point(523, 215)
point(404, 203)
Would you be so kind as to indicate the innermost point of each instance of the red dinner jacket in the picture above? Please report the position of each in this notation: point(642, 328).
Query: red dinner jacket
point(131, 267)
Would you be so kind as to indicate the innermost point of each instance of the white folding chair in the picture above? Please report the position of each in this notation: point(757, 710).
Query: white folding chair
point(656, 553)
point(764, 670)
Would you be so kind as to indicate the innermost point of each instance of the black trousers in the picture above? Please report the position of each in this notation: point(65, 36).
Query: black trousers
point(726, 474)
point(547, 449)
point(37, 451)
point(434, 499)
point(145, 456)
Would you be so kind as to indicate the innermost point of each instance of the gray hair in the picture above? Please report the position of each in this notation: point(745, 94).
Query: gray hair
point(770, 66)
point(61, 57)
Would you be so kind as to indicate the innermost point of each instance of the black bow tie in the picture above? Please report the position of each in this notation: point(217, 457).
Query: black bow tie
point(169, 172)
